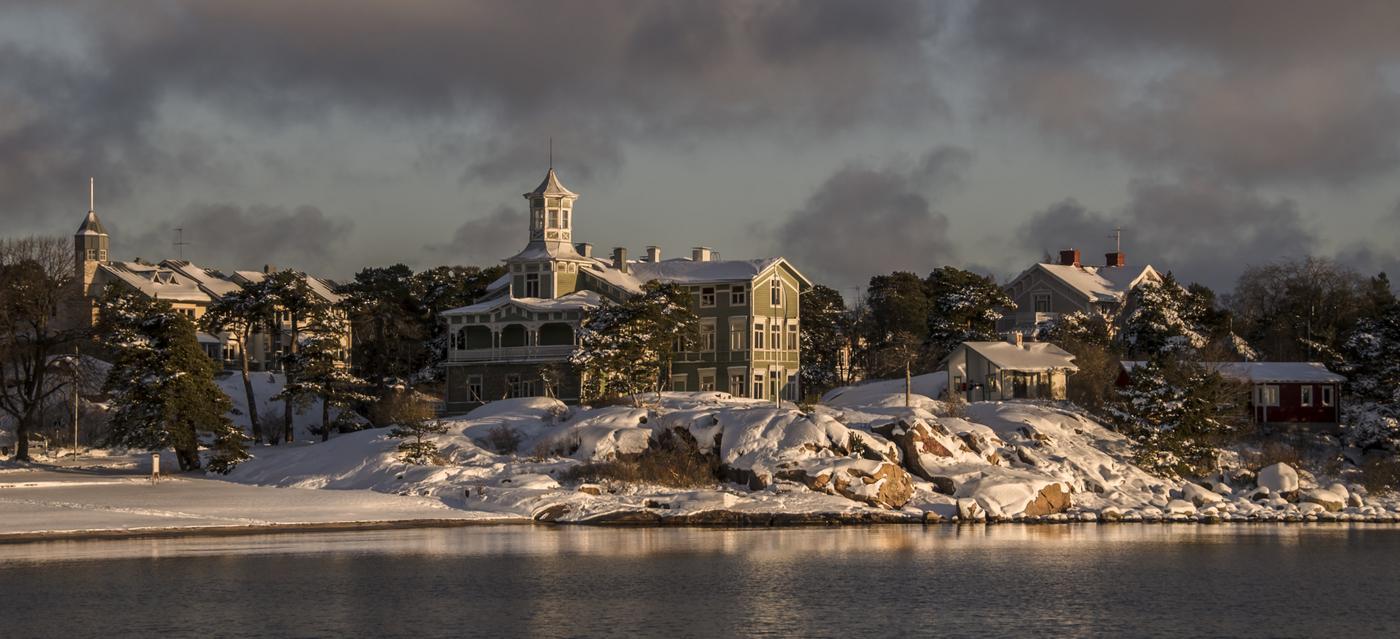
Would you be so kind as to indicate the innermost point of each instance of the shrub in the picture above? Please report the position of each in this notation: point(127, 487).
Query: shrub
point(1274, 453)
point(673, 459)
point(503, 439)
point(1381, 474)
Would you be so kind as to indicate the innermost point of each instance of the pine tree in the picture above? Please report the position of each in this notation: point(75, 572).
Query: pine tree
point(894, 324)
point(1371, 361)
point(1164, 317)
point(964, 306)
point(322, 376)
point(413, 421)
point(824, 319)
point(306, 312)
point(1173, 409)
point(162, 384)
point(240, 314)
point(624, 348)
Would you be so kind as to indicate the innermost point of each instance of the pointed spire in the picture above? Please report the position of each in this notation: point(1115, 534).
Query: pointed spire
point(91, 225)
point(551, 186)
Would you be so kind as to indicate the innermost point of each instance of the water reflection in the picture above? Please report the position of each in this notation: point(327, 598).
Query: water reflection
point(780, 544)
point(1070, 580)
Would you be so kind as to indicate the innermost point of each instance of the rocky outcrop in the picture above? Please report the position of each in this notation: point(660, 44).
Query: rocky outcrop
point(927, 447)
point(873, 482)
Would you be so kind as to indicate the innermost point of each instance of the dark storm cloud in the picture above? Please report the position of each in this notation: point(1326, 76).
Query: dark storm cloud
point(1378, 255)
point(480, 242)
point(1201, 230)
point(1255, 91)
point(864, 220)
point(504, 75)
point(229, 236)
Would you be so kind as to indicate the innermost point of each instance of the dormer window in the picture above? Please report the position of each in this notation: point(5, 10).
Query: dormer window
point(163, 277)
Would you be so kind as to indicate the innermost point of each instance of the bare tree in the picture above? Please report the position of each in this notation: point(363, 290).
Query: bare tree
point(36, 282)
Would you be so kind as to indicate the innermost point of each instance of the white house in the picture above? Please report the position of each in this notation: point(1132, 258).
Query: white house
point(1045, 291)
point(1015, 369)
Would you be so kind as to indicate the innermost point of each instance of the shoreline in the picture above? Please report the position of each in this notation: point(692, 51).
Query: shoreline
point(642, 519)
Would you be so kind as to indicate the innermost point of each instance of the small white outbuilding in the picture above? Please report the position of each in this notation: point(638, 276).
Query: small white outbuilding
point(1014, 369)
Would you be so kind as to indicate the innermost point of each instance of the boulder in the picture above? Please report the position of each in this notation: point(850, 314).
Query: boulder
point(591, 489)
point(1279, 479)
point(875, 483)
point(970, 510)
point(1333, 498)
point(1199, 496)
point(1180, 507)
point(926, 446)
point(1050, 500)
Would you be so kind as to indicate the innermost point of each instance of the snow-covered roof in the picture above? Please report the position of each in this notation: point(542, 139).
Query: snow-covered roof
point(551, 186)
point(1100, 283)
point(500, 283)
point(572, 302)
point(1267, 372)
point(1030, 356)
point(157, 281)
point(325, 289)
point(686, 271)
point(541, 250)
point(91, 225)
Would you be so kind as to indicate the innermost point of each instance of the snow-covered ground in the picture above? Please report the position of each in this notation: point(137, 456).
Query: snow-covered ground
point(103, 496)
point(859, 456)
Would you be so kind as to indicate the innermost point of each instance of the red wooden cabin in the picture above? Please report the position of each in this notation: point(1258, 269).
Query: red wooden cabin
point(1281, 393)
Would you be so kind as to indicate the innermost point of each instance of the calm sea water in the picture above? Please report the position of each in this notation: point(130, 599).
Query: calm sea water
point(1125, 580)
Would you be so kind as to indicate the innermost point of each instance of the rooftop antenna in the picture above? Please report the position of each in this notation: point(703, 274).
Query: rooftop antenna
point(1117, 238)
point(180, 242)
point(551, 152)
point(92, 194)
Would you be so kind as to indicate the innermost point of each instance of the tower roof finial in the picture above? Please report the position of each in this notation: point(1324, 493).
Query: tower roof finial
point(551, 152)
point(92, 194)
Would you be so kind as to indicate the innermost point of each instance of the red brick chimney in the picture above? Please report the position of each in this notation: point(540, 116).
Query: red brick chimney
point(1114, 259)
point(1069, 257)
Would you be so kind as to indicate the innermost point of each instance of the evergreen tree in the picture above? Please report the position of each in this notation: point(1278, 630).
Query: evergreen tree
point(413, 421)
point(306, 312)
point(1371, 361)
point(322, 376)
point(1164, 318)
point(162, 384)
point(964, 306)
point(625, 348)
point(1173, 409)
point(240, 314)
point(384, 311)
point(894, 324)
point(823, 338)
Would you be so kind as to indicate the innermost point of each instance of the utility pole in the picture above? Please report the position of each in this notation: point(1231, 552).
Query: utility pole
point(76, 363)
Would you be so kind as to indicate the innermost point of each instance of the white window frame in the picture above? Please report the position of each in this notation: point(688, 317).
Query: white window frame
point(793, 341)
point(775, 336)
point(739, 295)
point(476, 388)
point(704, 385)
point(738, 329)
point(1268, 395)
point(738, 381)
point(1036, 298)
point(758, 386)
point(1327, 397)
point(1305, 395)
point(760, 330)
point(535, 281)
point(710, 296)
point(708, 335)
point(679, 379)
point(775, 291)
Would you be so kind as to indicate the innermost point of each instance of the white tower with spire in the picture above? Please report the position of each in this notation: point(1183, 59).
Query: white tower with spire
point(548, 265)
point(90, 243)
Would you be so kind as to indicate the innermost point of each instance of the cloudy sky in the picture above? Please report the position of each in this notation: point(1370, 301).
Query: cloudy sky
point(852, 137)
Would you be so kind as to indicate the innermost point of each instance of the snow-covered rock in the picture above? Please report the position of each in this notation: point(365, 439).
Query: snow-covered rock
point(1010, 493)
point(1278, 478)
point(1199, 495)
point(1333, 497)
point(877, 483)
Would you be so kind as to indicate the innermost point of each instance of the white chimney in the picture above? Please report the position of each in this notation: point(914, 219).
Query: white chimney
point(653, 254)
point(700, 254)
point(619, 259)
point(1018, 339)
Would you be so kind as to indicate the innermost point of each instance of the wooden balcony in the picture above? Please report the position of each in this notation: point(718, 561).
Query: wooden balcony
point(512, 354)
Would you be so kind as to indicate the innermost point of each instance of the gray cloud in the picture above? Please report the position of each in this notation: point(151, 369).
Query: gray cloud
point(864, 220)
point(1200, 229)
point(1255, 91)
point(229, 236)
point(484, 241)
point(1374, 256)
point(492, 78)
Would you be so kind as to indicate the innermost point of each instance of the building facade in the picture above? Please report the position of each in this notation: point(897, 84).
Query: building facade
point(516, 341)
point(1046, 291)
point(189, 288)
point(1281, 394)
point(993, 371)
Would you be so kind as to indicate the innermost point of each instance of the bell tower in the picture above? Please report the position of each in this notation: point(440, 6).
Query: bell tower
point(551, 213)
point(90, 243)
